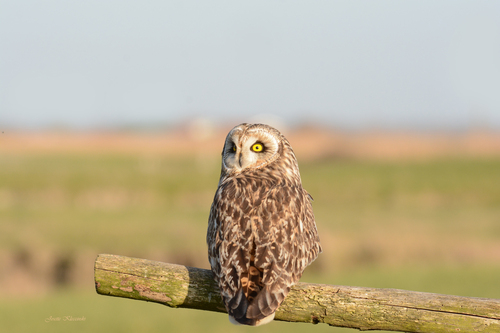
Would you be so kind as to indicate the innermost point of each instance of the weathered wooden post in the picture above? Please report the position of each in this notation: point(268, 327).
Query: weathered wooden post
point(354, 307)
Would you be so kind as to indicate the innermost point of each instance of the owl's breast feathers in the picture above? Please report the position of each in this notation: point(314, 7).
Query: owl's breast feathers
point(261, 237)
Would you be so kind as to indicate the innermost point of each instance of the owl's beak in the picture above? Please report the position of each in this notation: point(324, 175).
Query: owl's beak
point(239, 160)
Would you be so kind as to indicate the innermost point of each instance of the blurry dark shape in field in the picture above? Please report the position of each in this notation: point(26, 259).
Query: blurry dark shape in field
point(62, 269)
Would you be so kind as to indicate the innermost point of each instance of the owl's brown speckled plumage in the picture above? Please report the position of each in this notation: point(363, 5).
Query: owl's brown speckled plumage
point(261, 230)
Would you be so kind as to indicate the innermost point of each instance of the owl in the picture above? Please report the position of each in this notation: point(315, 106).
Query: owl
point(261, 231)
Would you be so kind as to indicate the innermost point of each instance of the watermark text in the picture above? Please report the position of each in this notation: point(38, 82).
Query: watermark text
point(64, 318)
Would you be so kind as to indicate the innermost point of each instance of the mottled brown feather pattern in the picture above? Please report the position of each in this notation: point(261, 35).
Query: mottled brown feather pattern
point(261, 233)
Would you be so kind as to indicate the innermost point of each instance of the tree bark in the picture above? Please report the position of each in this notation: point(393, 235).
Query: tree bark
point(354, 307)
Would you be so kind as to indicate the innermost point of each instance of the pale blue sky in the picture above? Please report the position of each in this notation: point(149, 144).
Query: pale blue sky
point(348, 64)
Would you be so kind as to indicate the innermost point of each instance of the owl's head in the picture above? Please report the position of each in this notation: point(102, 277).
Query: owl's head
point(254, 146)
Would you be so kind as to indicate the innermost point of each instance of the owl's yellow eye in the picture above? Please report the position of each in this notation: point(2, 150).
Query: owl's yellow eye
point(234, 148)
point(257, 147)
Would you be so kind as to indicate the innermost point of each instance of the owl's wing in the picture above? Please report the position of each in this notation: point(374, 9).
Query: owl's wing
point(229, 239)
point(286, 242)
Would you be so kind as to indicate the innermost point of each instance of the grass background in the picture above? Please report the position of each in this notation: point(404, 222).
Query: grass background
point(418, 224)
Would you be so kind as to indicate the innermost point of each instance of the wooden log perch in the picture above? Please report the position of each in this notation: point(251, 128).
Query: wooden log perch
point(354, 307)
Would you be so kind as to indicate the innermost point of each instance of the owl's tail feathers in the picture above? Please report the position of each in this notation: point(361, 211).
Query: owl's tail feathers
point(237, 309)
point(251, 322)
point(259, 312)
point(266, 302)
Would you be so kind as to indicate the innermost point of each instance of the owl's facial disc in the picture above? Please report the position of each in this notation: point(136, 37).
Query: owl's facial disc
point(250, 148)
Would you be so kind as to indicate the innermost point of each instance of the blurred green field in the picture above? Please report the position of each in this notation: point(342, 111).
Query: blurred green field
point(430, 225)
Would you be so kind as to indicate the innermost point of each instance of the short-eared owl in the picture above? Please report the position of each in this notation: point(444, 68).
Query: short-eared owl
point(261, 231)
